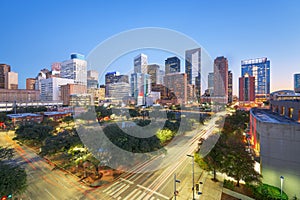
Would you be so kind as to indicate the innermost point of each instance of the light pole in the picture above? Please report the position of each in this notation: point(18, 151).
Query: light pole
point(175, 191)
point(281, 184)
point(193, 175)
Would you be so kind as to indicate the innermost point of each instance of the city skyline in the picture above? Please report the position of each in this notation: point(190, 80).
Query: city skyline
point(239, 38)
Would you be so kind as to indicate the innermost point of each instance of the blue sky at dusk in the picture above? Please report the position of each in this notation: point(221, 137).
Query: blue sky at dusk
point(35, 34)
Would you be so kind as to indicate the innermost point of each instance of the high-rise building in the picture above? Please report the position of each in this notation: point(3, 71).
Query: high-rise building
point(140, 87)
point(51, 88)
point(221, 78)
point(140, 63)
point(297, 83)
point(193, 69)
point(115, 77)
point(176, 84)
point(260, 69)
point(172, 65)
point(41, 75)
point(55, 69)
point(11, 81)
point(247, 88)
point(30, 83)
point(153, 71)
point(75, 68)
point(229, 87)
point(118, 92)
point(210, 83)
point(161, 77)
point(71, 89)
point(92, 79)
point(4, 69)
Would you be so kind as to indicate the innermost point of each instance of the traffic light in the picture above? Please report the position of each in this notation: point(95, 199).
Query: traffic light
point(9, 196)
point(197, 187)
point(4, 197)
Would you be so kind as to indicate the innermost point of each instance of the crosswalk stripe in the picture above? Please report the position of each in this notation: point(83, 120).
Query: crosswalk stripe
point(116, 189)
point(129, 196)
point(109, 187)
point(121, 191)
point(152, 198)
point(142, 196)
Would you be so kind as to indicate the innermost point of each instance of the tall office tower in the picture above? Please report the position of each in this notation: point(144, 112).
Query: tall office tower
point(51, 88)
point(229, 87)
point(75, 68)
point(161, 77)
point(247, 88)
point(30, 83)
point(193, 69)
point(153, 71)
point(140, 63)
point(172, 65)
point(176, 84)
point(41, 75)
point(260, 69)
point(11, 81)
point(118, 92)
point(297, 83)
point(55, 69)
point(92, 79)
point(140, 85)
point(4, 69)
point(115, 77)
point(210, 83)
point(221, 78)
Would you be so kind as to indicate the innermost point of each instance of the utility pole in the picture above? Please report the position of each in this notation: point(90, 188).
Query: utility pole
point(175, 191)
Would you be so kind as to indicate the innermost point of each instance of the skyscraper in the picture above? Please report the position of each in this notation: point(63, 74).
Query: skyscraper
point(140, 63)
point(229, 87)
point(172, 65)
point(176, 84)
point(221, 78)
point(297, 83)
point(153, 71)
point(11, 81)
point(112, 78)
point(30, 83)
point(260, 69)
point(193, 69)
point(75, 68)
point(4, 69)
point(92, 79)
point(140, 85)
point(247, 88)
point(210, 83)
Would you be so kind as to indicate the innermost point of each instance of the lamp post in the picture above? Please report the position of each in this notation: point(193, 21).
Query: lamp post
point(175, 191)
point(193, 175)
point(281, 184)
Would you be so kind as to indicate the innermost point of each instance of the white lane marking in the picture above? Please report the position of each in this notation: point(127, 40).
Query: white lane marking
point(109, 187)
point(50, 193)
point(116, 189)
point(130, 182)
point(119, 198)
point(113, 189)
point(163, 196)
point(128, 196)
point(121, 191)
point(135, 195)
point(142, 196)
point(152, 198)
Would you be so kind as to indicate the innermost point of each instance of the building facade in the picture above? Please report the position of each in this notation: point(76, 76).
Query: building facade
point(4, 69)
point(153, 71)
point(193, 69)
point(297, 83)
point(230, 88)
point(260, 69)
point(118, 92)
point(19, 95)
point(70, 89)
point(210, 83)
point(140, 63)
point(140, 85)
point(30, 83)
point(247, 88)
point(11, 81)
point(51, 88)
point(75, 69)
point(172, 65)
point(221, 78)
point(176, 84)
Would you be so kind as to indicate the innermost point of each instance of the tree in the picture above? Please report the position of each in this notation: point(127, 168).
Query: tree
point(68, 119)
point(12, 177)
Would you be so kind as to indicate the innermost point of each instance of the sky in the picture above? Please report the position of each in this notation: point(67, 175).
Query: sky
point(35, 33)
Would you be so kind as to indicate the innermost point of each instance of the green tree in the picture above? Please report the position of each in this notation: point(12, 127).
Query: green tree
point(12, 177)
point(68, 119)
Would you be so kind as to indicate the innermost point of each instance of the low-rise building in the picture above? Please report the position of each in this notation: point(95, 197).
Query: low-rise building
point(25, 118)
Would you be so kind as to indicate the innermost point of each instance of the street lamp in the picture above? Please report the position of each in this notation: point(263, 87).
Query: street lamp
point(175, 191)
point(193, 175)
point(281, 184)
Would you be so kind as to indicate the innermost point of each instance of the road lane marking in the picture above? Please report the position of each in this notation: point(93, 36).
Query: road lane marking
point(128, 196)
point(152, 191)
point(152, 198)
point(142, 196)
point(137, 194)
point(109, 187)
point(50, 194)
point(115, 189)
point(121, 191)
point(130, 182)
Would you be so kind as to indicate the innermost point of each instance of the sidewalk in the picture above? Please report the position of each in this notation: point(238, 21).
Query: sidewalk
point(236, 195)
point(210, 190)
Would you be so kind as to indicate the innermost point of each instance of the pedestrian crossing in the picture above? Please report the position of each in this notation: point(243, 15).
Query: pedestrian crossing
point(124, 190)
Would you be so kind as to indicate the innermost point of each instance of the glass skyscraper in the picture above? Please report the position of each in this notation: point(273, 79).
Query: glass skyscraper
point(260, 69)
point(297, 83)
